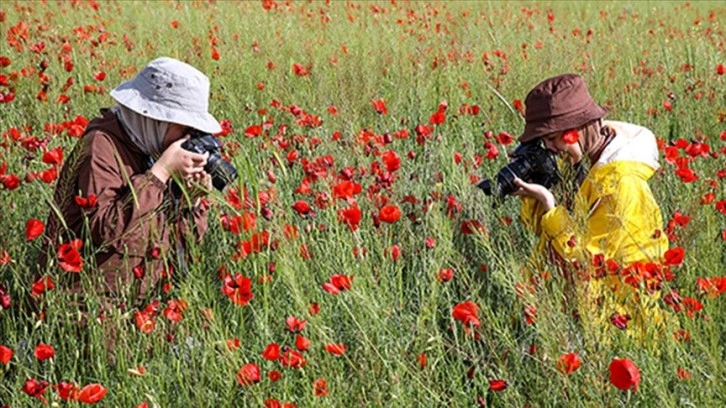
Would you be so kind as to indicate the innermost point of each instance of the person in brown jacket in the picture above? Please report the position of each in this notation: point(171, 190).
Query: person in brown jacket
point(114, 191)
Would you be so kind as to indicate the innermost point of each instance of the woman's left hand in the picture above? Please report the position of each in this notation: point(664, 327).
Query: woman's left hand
point(536, 191)
point(199, 185)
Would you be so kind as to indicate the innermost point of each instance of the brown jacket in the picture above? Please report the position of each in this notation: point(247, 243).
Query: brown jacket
point(133, 223)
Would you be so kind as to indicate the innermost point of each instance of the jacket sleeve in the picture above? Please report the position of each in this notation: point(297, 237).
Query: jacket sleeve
point(125, 201)
point(617, 226)
point(531, 213)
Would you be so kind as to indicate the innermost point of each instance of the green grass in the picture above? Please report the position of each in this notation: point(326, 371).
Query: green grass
point(414, 56)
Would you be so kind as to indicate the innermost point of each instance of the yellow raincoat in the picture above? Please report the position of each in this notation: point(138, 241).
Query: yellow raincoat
point(614, 214)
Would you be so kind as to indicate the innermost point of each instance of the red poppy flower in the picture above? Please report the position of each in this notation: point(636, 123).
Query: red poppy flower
point(692, 306)
point(720, 69)
point(249, 374)
point(41, 285)
point(6, 353)
point(337, 349)
point(681, 335)
point(380, 106)
point(299, 70)
point(568, 363)
point(674, 256)
point(469, 227)
point(232, 344)
point(274, 375)
point(86, 202)
point(302, 207)
point(684, 374)
point(712, 287)
point(391, 160)
point(92, 393)
point(320, 387)
point(144, 321)
point(5, 299)
point(33, 229)
point(49, 175)
point(338, 283)
point(395, 252)
point(238, 289)
point(69, 259)
point(389, 214)
point(497, 385)
point(313, 309)
point(54, 157)
point(35, 388)
point(253, 131)
point(624, 374)
point(530, 314)
point(44, 352)
point(175, 310)
point(430, 242)
point(467, 313)
point(350, 216)
point(346, 189)
point(492, 151)
point(505, 138)
point(293, 359)
point(67, 391)
point(10, 181)
point(620, 320)
point(571, 136)
point(272, 352)
point(721, 206)
point(295, 325)
point(445, 275)
point(422, 359)
point(686, 174)
point(519, 106)
point(302, 343)
point(437, 117)
point(271, 402)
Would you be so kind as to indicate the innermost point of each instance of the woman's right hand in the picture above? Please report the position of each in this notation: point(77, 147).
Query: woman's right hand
point(177, 161)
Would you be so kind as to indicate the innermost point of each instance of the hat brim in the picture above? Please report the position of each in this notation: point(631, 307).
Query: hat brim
point(126, 94)
point(535, 130)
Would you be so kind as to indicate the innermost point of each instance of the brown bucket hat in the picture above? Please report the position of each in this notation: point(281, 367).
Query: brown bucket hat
point(558, 104)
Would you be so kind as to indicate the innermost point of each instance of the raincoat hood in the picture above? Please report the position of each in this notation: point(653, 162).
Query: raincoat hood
point(631, 143)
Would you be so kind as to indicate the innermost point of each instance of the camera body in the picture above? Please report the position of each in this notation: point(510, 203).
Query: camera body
point(531, 162)
point(221, 171)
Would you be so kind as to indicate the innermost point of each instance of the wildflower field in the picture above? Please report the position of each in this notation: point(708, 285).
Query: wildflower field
point(354, 262)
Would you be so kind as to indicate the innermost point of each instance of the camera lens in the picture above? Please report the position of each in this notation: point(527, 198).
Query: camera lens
point(222, 172)
point(486, 186)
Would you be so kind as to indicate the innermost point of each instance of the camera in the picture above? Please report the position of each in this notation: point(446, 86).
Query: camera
point(221, 171)
point(531, 162)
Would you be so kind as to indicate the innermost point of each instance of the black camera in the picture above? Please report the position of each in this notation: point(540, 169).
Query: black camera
point(531, 162)
point(221, 171)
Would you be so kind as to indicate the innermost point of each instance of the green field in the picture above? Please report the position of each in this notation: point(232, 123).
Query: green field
point(301, 87)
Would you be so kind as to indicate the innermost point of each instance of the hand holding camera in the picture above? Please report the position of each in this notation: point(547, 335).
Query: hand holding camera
point(536, 191)
point(177, 161)
point(221, 171)
point(532, 169)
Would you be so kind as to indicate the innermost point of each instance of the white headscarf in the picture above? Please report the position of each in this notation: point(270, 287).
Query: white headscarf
point(146, 133)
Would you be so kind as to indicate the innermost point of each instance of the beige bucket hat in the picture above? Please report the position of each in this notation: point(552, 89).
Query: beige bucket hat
point(172, 91)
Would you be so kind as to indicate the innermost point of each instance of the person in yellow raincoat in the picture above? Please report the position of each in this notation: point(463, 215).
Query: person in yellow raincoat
point(613, 218)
